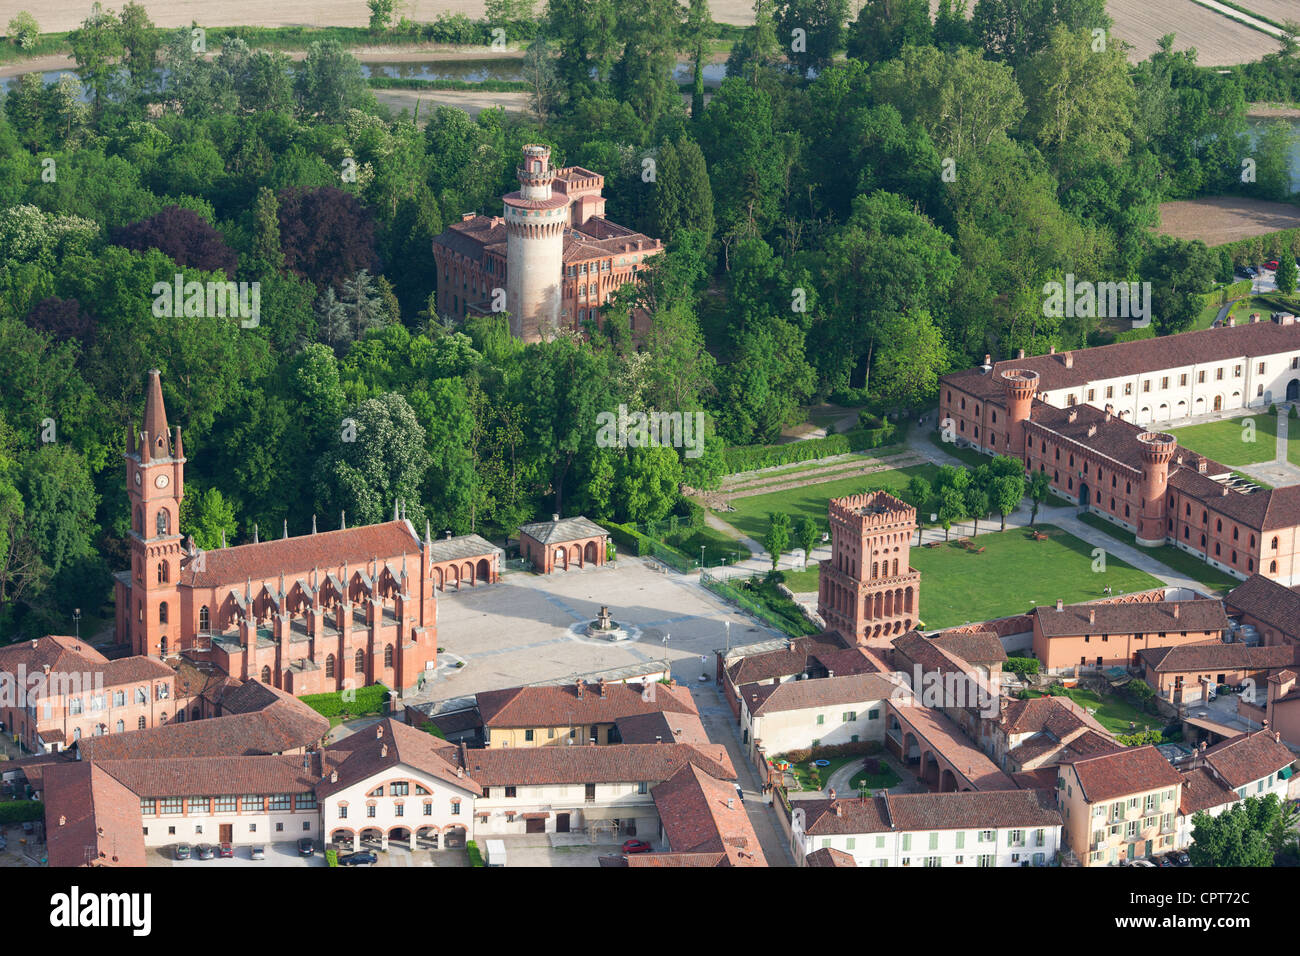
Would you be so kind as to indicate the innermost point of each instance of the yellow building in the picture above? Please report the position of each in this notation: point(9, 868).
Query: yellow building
point(1119, 806)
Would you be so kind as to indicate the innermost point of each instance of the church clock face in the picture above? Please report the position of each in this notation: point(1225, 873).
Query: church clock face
point(137, 479)
point(160, 481)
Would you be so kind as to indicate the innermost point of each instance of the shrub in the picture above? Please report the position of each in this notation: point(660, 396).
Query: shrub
point(475, 857)
point(831, 751)
point(1021, 665)
point(1057, 690)
point(331, 857)
point(21, 811)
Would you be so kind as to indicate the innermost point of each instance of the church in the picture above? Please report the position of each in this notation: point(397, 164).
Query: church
point(308, 614)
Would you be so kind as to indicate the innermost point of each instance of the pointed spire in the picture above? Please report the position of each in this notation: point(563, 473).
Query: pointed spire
point(281, 583)
point(403, 570)
point(155, 416)
point(248, 589)
point(313, 524)
point(286, 528)
point(144, 445)
point(223, 537)
point(254, 532)
point(180, 449)
point(428, 542)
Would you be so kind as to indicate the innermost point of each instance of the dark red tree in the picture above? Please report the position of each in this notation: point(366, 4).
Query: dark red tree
point(326, 234)
point(183, 235)
point(64, 319)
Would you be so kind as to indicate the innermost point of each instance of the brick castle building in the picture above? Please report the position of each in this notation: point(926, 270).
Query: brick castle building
point(306, 614)
point(1131, 474)
point(551, 261)
point(867, 589)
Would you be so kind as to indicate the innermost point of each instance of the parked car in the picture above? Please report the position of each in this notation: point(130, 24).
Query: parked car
point(1164, 859)
point(306, 847)
point(1271, 264)
point(360, 858)
point(1251, 271)
point(1141, 863)
point(204, 851)
point(740, 793)
point(257, 852)
point(636, 846)
point(182, 851)
point(1180, 858)
point(225, 851)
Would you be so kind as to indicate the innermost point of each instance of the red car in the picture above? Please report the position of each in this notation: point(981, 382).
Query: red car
point(225, 851)
point(1271, 264)
point(636, 846)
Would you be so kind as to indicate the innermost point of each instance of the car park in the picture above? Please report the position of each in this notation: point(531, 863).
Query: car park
point(361, 858)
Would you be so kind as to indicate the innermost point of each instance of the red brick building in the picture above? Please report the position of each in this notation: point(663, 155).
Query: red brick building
point(551, 261)
point(308, 614)
point(558, 545)
point(867, 589)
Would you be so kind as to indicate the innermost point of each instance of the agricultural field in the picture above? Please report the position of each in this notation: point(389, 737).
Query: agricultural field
point(1219, 41)
point(1279, 11)
point(1225, 218)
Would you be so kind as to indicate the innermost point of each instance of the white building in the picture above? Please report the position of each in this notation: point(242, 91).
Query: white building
point(810, 713)
point(969, 829)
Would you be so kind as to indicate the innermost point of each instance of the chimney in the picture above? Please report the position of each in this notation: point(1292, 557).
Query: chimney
point(379, 731)
point(1068, 359)
point(1232, 322)
point(334, 776)
point(832, 793)
point(1092, 615)
point(1060, 604)
point(1020, 353)
point(383, 750)
point(731, 803)
point(602, 688)
point(1073, 416)
point(579, 687)
point(554, 518)
point(839, 810)
point(1223, 492)
point(448, 535)
point(1178, 608)
point(988, 359)
point(1254, 317)
point(1052, 350)
point(1092, 429)
point(63, 821)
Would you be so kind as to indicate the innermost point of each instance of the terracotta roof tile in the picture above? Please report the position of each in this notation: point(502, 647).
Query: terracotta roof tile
point(559, 705)
point(1249, 757)
point(91, 818)
point(1134, 618)
point(700, 814)
point(619, 763)
point(1128, 771)
point(1270, 602)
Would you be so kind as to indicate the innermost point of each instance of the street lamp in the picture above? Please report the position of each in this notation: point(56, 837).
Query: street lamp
point(701, 557)
point(76, 620)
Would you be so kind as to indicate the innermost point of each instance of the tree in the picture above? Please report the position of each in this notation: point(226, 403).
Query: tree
point(648, 483)
point(362, 306)
point(584, 32)
point(918, 491)
point(184, 236)
point(952, 508)
point(1250, 833)
point(64, 319)
point(910, 359)
point(1285, 275)
point(1008, 491)
point(1179, 272)
point(377, 457)
point(811, 30)
point(545, 89)
point(208, 518)
point(1015, 30)
point(1040, 489)
point(777, 539)
point(24, 30)
point(96, 47)
point(325, 234)
point(683, 198)
point(329, 82)
point(696, 38)
point(140, 44)
point(809, 535)
point(381, 14)
point(884, 27)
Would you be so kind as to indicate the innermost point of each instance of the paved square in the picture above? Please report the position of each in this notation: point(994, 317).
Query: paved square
point(517, 632)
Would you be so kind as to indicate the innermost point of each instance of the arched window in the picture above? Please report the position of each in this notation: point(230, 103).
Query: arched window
point(164, 573)
point(164, 522)
point(388, 655)
point(1274, 543)
point(266, 675)
point(205, 618)
point(162, 613)
point(329, 666)
point(361, 662)
point(1272, 567)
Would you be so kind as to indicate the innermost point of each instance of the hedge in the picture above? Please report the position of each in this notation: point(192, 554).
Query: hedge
point(863, 748)
point(646, 546)
point(753, 457)
point(475, 857)
point(21, 811)
point(1256, 249)
point(1221, 295)
point(791, 622)
point(1021, 665)
point(411, 83)
point(331, 857)
point(369, 700)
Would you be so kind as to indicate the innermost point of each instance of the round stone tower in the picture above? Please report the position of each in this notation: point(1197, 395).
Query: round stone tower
point(1020, 386)
point(1157, 449)
point(535, 221)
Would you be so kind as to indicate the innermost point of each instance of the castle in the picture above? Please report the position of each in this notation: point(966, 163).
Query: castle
point(867, 589)
point(305, 614)
point(551, 261)
point(1134, 475)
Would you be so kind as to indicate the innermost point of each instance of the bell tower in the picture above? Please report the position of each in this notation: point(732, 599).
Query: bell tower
point(155, 485)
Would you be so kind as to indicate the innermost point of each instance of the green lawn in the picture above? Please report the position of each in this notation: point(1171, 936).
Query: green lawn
point(717, 546)
point(1174, 558)
point(802, 580)
point(1014, 574)
point(750, 516)
point(1227, 440)
point(1112, 711)
point(875, 781)
point(802, 772)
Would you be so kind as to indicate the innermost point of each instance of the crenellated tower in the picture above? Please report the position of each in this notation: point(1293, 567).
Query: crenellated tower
point(1020, 386)
point(868, 589)
point(1157, 449)
point(535, 221)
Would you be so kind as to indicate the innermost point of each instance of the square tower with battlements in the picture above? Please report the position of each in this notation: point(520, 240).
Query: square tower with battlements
point(868, 589)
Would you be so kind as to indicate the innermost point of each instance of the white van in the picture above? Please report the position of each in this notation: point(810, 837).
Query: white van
point(496, 853)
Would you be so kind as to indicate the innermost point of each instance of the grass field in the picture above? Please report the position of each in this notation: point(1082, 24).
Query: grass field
point(1112, 711)
point(1014, 574)
point(1225, 441)
point(1173, 558)
point(716, 547)
point(750, 516)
